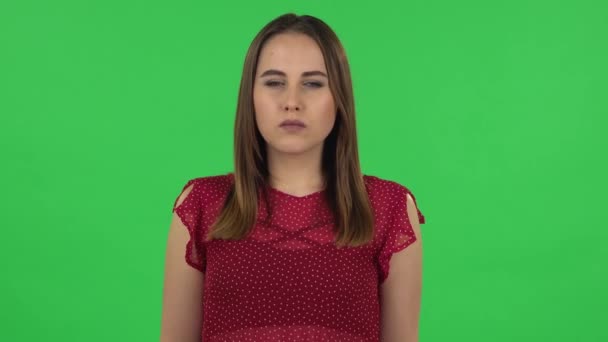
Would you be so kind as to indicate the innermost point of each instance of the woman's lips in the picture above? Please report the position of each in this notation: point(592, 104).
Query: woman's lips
point(292, 128)
point(293, 123)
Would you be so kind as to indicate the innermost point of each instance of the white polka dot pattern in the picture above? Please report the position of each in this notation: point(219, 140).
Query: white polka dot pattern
point(287, 281)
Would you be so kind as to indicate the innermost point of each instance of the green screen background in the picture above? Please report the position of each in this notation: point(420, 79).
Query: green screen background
point(492, 112)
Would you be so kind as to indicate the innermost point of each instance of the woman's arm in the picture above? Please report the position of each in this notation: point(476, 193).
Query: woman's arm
point(401, 291)
point(182, 312)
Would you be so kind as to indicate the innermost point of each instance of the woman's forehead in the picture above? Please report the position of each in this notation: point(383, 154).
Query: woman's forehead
point(291, 53)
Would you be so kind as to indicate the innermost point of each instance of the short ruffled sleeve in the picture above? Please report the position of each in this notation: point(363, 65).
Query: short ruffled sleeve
point(398, 231)
point(190, 213)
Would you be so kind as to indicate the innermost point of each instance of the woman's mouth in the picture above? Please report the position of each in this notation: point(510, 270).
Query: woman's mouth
point(292, 125)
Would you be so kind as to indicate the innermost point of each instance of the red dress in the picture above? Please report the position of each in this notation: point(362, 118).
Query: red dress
point(287, 281)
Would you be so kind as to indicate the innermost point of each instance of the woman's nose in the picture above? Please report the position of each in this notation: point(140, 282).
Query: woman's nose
point(292, 100)
point(290, 107)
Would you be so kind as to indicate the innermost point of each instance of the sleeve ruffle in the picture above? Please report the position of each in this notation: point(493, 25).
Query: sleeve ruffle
point(190, 211)
point(398, 232)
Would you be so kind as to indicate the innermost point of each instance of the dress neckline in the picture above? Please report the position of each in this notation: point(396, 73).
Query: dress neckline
point(285, 195)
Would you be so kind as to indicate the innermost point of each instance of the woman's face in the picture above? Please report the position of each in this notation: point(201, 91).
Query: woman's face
point(291, 84)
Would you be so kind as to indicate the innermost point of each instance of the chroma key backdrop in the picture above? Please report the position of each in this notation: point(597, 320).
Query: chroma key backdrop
point(492, 112)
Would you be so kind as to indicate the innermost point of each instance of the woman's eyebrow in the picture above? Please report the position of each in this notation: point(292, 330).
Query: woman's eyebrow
point(274, 72)
point(314, 73)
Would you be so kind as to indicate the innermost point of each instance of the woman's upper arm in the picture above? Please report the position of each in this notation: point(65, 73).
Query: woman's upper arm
point(401, 291)
point(182, 311)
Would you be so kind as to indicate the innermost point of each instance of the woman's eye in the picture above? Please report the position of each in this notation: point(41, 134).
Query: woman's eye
point(310, 84)
point(273, 83)
point(314, 84)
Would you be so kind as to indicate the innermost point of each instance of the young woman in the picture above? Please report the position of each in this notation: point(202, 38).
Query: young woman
point(296, 244)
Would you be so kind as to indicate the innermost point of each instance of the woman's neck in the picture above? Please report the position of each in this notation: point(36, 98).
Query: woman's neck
point(295, 174)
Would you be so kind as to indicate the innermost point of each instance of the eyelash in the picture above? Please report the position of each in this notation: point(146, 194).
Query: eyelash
point(272, 84)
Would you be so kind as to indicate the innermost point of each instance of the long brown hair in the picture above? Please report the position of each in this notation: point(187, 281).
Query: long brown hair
point(345, 188)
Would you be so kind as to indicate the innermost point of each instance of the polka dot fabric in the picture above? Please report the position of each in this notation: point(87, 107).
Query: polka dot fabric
point(287, 281)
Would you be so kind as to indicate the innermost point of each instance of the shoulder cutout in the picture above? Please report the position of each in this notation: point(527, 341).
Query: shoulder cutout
point(183, 195)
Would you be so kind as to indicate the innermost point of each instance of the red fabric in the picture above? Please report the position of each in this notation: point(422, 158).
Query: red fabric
point(287, 281)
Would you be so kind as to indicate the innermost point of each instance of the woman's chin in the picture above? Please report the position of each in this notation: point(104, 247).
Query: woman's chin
point(292, 149)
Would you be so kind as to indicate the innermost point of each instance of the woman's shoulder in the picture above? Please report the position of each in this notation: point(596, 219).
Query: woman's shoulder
point(208, 189)
point(385, 191)
point(390, 195)
point(209, 183)
point(204, 195)
point(384, 186)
